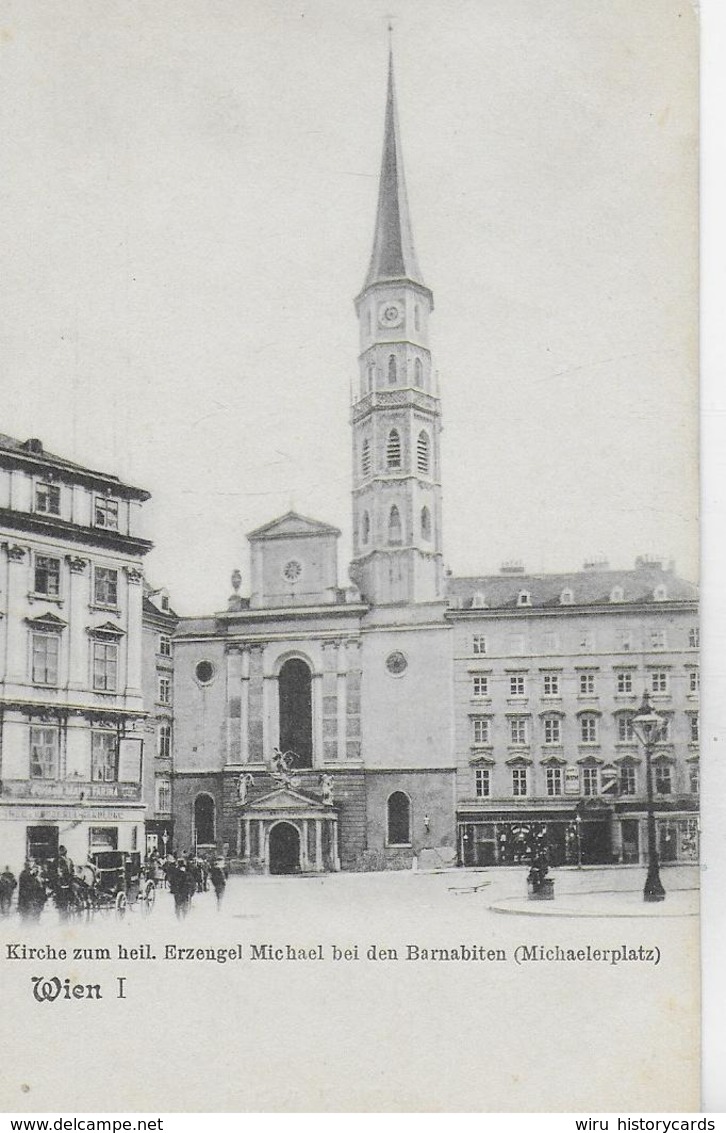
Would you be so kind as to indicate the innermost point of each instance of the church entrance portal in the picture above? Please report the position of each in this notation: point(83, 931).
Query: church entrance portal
point(284, 848)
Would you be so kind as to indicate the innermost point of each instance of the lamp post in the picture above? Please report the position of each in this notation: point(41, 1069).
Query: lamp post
point(578, 829)
point(648, 726)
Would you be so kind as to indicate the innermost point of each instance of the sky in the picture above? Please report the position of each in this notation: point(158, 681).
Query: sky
point(187, 199)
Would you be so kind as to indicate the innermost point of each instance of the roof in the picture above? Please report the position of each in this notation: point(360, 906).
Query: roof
point(587, 587)
point(292, 525)
point(393, 255)
point(32, 452)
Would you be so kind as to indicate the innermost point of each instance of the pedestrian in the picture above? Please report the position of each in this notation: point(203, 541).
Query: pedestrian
point(219, 881)
point(182, 886)
point(64, 872)
point(31, 893)
point(7, 886)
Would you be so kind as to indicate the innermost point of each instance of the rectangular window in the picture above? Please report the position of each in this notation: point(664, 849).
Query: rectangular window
point(481, 731)
point(164, 645)
point(479, 643)
point(518, 731)
point(46, 651)
point(693, 725)
point(519, 781)
point(44, 748)
point(628, 782)
point(552, 684)
point(480, 686)
point(659, 680)
point(47, 576)
point(694, 680)
point(587, 684)
point(626, 734)
point(552, 732)
point(105, 513)
point(694, 778)
point(589, 780)
point(588, 729)
point(625, 682)
point(516, 686)
point(163, 796)
point(663, 779)
point(47, 499)
point(658, 639)
point(165, 690)
point(483, 782)
point(164, 741)
point(105, 666)
point(104, 747)
point(693, 637)
point(105, 586)
point(554, 780)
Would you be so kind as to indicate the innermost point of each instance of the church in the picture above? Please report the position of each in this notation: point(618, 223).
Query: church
point(406, 717)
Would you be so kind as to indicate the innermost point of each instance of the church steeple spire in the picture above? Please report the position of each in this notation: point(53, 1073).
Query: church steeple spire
point(393, 255)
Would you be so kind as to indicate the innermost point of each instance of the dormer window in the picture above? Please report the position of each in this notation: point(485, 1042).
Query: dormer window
point(617, 594)
point(567, 597)
point(165, 603)
point(105, 513)
point(524, 598)
point(47, 499)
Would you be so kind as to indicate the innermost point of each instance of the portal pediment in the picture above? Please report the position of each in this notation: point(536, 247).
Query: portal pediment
point(288, 800)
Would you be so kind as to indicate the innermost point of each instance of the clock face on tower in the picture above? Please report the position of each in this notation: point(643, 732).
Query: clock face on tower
point(390, 313)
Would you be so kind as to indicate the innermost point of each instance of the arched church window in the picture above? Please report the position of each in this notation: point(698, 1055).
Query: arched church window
point(398, 819)
point(393, 449)
point(204, 820)
point(392, 370)
point(423, 453)
point(365, 458)
point(365, 530)
point(418, 372)
point(425, 523)
point(296, 711)
point(394, 526)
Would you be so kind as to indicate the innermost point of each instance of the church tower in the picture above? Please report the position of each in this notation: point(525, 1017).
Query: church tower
point(396, 412)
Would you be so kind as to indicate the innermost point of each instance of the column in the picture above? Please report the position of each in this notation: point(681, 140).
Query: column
point(342, 699)
point(244, 714)
point(77, 644)
point(319, 863)
point(19, 566)
point(317, 706)
point(334, 845)
point(248, 844)
point(304, 862)
point(233, 703)
point(261, 848)
point(270, 715)
point(256, 706)
point(134, 577)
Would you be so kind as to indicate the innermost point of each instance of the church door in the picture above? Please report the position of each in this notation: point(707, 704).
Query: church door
point(284, 848)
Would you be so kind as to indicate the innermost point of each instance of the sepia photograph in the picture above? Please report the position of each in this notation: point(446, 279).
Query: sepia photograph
point(349, 556)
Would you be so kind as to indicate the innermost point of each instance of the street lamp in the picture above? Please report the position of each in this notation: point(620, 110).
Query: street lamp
point(648, 727)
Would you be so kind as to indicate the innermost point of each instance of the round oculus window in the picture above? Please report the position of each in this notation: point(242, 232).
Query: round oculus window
point(292, 570)
point(396, 663)
point(204, 672)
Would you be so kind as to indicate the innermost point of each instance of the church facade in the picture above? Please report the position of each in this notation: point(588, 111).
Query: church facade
point(414, 717)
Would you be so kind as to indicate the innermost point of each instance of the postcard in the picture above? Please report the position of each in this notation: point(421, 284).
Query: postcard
point(349, 608)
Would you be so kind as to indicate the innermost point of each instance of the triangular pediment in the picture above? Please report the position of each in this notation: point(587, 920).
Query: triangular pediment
point(287, 799)
point(291, 526)
point(108, 629)
point(47, 621)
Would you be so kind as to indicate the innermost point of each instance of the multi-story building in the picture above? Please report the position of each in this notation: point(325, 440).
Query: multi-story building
point(428, 715)
point(159, 622)
point(71, 714)
point(549, 671)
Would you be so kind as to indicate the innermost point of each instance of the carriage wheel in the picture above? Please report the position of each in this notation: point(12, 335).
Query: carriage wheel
point(149, 896)
point(121, 904)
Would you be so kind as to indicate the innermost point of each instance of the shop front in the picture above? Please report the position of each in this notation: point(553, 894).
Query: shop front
point(573, 836)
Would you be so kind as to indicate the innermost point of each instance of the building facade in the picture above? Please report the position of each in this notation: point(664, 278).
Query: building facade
point(71, 713)
point(157, 682)
point(426, 717)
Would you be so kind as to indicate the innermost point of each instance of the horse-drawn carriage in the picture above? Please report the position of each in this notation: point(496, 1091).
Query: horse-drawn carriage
point(110, 880)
